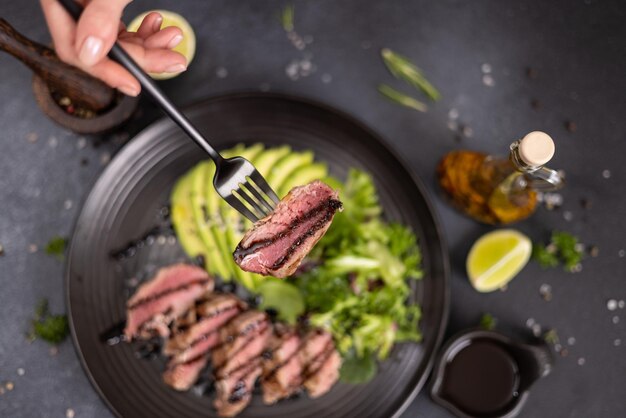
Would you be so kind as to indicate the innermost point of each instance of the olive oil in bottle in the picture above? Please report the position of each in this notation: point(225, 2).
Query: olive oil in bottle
point(500, 190)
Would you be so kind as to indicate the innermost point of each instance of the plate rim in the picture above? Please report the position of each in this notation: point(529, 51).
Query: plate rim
point(252, 94)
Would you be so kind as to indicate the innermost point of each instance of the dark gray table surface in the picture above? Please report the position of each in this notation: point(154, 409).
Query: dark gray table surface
point(577, 49)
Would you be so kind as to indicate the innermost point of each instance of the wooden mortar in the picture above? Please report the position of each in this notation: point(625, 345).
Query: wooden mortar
point(111, 107)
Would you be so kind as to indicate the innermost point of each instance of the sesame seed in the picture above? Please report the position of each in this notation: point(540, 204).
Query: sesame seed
point(564, 352)
point(105, 158)
point(577, 268)
point(327, 78)
point(530, 322)
point(69, 413)
point(594, 251)
point(68, 204)
point(545, 290)
point(617, 342)
point(453, 114)
point(536, 330)
point(571, 341)
point(557, 347)
point(485, 68)
point(611, 304)
point(621, 304)
point(568, 216)
point(81, 143)
point(615, 319)
point(621, 253)
point(171, 240)
point(606, 174)
point(488, 80)
point(581, 361)
point(20, 372)
point(161, 240)
point(32, 137)
point(53, 142)
point(467, 131)
point(9, 386)
point(221, 72)
point(32, 248)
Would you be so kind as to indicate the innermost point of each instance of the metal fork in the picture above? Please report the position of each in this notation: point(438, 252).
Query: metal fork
point(236, 180)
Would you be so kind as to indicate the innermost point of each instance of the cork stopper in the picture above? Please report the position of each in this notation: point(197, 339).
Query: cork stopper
point(536, 148)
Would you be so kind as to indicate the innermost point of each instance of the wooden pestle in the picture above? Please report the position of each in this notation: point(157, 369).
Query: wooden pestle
point(83, 89)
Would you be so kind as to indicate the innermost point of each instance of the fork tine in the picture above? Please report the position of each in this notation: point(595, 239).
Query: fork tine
point(243, 193)
point(241, 208)
point(253, 189)
point(265, 188)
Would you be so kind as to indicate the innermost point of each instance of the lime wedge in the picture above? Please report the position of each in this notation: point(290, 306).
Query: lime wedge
point(496, 258)
point(187, 46)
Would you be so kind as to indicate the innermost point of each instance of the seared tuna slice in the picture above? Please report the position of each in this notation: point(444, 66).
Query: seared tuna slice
point(170, 294)
point(321, 362)
point(182, 376)
point(277, 244)
point(236, 334)
point(212, 314)
point(235, 391)
point(282, 369)
point(320, 380)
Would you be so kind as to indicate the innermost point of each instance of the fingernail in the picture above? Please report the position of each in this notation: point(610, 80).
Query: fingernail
point(174, 41)
point(156, 26)
point(129, 90)
point(90, 51)
point(176, 68)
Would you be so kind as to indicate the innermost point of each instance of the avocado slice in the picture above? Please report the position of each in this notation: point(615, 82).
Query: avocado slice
point(235, 224)
point(213, 257)
point(266, 160)
point(285, 167)
point(183, 219)
point(303, 175)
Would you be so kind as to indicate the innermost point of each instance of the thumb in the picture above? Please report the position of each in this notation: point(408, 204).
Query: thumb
point(97, 29)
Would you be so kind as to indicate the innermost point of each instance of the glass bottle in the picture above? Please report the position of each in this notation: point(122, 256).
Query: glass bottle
point(500, 190)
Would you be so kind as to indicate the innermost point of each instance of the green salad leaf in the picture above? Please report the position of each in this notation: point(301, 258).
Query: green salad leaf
point(283, 297)
point(359, 290)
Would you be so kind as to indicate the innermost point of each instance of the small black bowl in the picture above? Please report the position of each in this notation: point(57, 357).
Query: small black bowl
point(472, 382)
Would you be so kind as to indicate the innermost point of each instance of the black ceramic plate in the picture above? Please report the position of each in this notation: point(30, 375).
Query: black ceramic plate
point(125, 203)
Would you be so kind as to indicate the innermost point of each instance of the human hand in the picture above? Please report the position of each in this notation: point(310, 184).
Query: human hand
point(86, 44)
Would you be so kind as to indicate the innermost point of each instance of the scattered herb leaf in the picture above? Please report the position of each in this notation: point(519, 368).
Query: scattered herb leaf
point(551, 337)
point(50, 328)
point(404, 69)
point(286, 17)
point(401, 98)
point(488, 322)
point(356, 370)
point(564, 248)
point(56, 247)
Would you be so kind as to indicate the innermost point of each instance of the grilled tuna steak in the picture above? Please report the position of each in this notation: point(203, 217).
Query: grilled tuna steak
point(277, 244)
point(235, 391)
point(170, 294)
point(321, 362)
point(282, 368)
point(243, 339)
point(212, 314)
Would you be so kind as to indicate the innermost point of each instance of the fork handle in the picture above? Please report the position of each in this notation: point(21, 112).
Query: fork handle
point(118, 54)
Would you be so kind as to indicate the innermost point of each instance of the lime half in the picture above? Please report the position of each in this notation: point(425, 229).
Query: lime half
point(496, 258)
point(187, 47)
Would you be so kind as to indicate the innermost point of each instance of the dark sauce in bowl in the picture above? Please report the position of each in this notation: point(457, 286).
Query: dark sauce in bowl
point(481, 378)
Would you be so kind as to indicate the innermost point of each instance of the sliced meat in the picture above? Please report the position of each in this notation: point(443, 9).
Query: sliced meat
point(277, 244)
point(212, 314)
point(183, 376)
point(282, 368)
point(319, 381)
point(170, 294)
point(235, 391)
point(320, 362)
point(243, 325)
